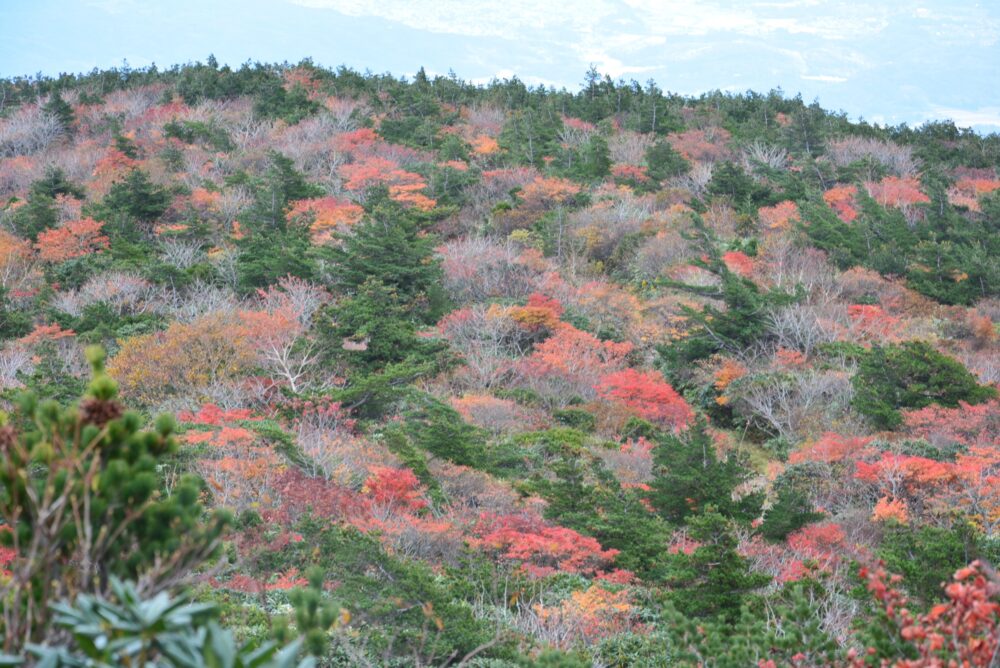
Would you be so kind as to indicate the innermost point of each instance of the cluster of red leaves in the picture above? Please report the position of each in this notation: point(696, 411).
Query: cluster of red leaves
point(301, 77)
point(964, 425)
point(841, 200)
point(549, 191)
point(323, 413)
point(301, 493)
point(814, 548)
point(241, 582)
point(539, 313)
point(355, 140)
point(918, 473)
point(225, 437)
point(787, 358)
point(7, 555)
point(404, 186)
point(46, 333)
point(629, 174)
point(780, 216)
point(831, 448)
point(702, 145)
point(578, 124)
point(205, 199)
point(648, 395)
point(76, 238)
point(212, 415)
point(979, 186)
point(870, 321)
point(967, 191)
point(326, 216)
point(240, 470)
point(738, 262)
point(575, 354)
point(909, 484)
point(963, 631)
point(541, 549)
point(897, 192)
point(394, 489)
point(114, 162)
point(888, 508)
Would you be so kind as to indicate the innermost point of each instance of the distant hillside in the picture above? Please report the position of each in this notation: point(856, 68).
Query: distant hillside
point(494, 375)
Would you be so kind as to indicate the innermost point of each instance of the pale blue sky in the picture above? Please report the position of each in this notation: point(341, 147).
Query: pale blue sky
point(885, 60)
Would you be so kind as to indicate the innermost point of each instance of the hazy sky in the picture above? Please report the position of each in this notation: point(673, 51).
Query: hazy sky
point(885, 60)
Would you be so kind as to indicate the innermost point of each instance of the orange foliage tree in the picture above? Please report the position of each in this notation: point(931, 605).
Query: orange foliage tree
point(17, 262)
point(897, 192)
point(483, 145)
point(404, 187)
point(841, 200)
point(326, 216)
point(780, 216)
point(188, 360)
point(587, 616)
point(572, 362)
point(540, 312)
point(76, 238)
point(240, 471)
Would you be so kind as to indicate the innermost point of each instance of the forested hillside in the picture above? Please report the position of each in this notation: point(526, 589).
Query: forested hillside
point(389, 372)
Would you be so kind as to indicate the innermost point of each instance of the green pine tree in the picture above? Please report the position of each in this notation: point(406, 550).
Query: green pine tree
point(911, 375)
point(392, 245)
point(689, 477)
point(713, 580)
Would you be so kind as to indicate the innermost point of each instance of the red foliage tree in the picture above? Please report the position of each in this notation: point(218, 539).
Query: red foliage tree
point(780, 216)
point(831, 448)
point(813, 548)
point(390, 489)
point(964, 425)
point(75, 238)
point(541, 549)
point(897, 192)
point(648, 395)
point(707, 145)
point(962, 631)
point(571, 362)
point(841, 200)
point(870, 322)
point(351, 142)
point(629, 174)
point(738, 263)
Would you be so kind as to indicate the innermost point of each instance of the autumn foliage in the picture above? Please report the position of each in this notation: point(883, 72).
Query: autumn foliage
point(76, 238)
point(961, 631)
point(326, 216)
point(526, 376)
point(648, 395)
